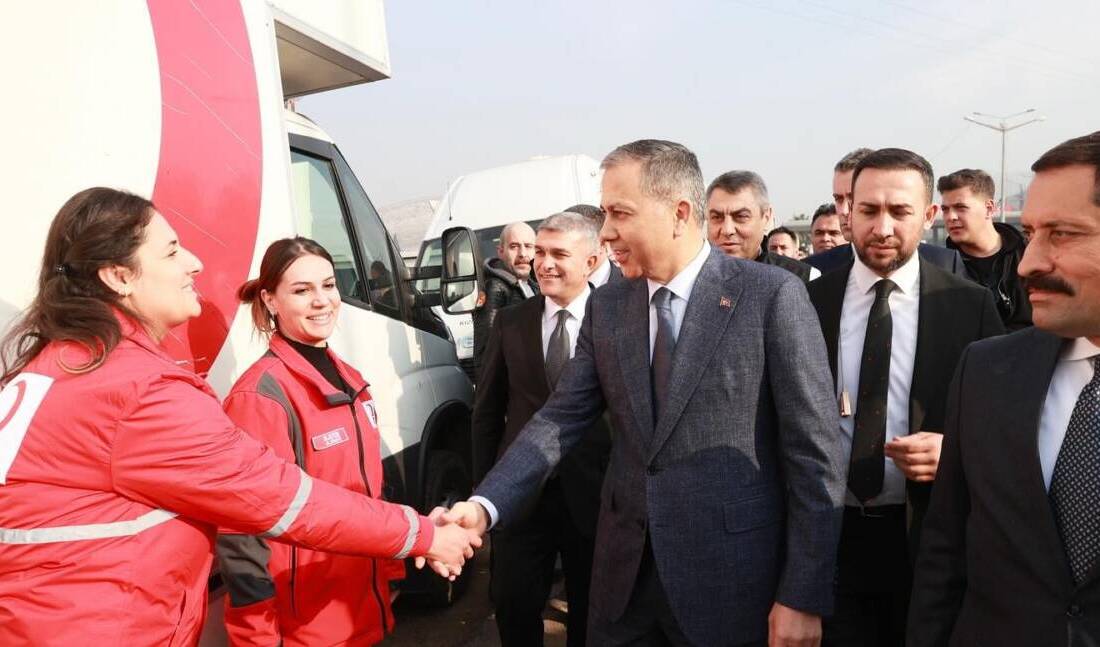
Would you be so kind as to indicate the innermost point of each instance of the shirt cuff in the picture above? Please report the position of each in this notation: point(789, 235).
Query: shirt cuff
point(489, 507)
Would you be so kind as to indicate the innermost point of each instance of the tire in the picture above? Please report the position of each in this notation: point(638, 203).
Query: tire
point(447, 482)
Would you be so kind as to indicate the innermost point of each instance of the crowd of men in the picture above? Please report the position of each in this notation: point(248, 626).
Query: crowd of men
point(727, 445)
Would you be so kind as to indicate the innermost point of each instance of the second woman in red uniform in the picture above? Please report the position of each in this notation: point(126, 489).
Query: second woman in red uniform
point(317, 411)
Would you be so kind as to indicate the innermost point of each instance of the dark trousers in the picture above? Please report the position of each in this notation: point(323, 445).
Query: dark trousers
point(648, 619)
point(522, 572)
point(874, 578)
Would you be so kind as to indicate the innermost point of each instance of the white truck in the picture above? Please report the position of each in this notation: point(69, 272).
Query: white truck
point(184, 102)
point(487, 200)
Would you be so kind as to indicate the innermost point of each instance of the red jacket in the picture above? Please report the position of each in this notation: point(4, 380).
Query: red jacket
point(300, 596)
point(112, 485)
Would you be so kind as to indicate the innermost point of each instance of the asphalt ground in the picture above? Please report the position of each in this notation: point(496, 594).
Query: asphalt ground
point(469, 621)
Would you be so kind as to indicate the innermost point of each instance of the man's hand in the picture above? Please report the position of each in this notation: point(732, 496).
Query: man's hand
point(789, 627)
point(469, 515)
point(451, 546)
point(916, 455)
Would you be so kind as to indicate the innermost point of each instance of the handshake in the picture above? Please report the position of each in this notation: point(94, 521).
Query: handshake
point(458, 532)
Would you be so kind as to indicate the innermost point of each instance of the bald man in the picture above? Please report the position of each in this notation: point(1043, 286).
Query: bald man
point(508, 280)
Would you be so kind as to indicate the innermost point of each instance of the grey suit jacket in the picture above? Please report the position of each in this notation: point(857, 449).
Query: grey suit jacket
point(738, 486)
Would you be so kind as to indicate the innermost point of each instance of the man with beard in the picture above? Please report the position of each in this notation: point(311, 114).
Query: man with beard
point(894, 327)
point(1009, 555)
point(508, 280)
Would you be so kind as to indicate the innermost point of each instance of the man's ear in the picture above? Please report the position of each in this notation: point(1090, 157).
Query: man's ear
point(990, 207)
point(930, 215)
point(682, 217)
point(766, 214)
point(118, 278)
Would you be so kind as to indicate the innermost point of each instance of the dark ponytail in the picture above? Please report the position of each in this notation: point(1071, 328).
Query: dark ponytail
point(96, 228)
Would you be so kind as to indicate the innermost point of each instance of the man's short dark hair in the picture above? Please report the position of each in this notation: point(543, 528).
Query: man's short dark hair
point(1084, 151)
point(849, 161)
point(735, 181)
point(783, 230)
point(977, 180)
point(897, 159)
point(593, 213)
point(827, 209)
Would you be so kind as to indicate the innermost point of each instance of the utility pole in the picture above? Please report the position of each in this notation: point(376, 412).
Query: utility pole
point(1003, 125)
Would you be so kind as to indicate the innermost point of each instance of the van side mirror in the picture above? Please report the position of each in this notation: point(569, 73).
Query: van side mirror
point(461, 283)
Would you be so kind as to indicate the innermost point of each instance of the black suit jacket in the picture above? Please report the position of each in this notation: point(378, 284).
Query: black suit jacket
point(953, 312)
point(513, 386)
point(992, 569)
point(792, 265)
point(841, 255)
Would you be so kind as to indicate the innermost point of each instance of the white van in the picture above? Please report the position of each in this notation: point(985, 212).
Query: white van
point(183, 102)
point(488, 200)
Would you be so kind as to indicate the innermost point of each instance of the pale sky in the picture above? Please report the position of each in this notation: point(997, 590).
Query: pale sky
point(781, 87)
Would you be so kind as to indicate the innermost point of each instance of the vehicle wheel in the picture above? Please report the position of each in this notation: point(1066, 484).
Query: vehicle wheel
point(447, 483)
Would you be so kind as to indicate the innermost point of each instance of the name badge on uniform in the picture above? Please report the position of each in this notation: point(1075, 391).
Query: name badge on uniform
point(329, 439)
point(372, 414)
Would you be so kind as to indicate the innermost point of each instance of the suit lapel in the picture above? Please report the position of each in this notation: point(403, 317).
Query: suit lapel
point(632, 341)
point(531, 337)
point(829, 306)
point(1030, 371)
point(709, 310)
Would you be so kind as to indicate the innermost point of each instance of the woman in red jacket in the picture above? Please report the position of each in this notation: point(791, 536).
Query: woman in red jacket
point(117, 466)
point(313, 410)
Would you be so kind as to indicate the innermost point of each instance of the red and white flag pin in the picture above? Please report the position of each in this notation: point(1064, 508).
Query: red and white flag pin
point(725, 302)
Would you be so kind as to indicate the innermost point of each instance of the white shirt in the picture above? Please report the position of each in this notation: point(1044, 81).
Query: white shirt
point(550, 312)
point(680, 286)
point(904, 307)
point(601, 274)
point(1071, 375)
point(525, 287)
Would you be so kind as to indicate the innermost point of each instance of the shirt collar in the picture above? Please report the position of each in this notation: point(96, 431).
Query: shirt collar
point(682, 283)
point(906, 277)
point(600, 275)
point(1080, 348)
point(575, 307)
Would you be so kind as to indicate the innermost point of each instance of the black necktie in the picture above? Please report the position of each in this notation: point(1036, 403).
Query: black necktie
point(557, 350)
point(868, 463)
point(664, 344)
point(1075, 484)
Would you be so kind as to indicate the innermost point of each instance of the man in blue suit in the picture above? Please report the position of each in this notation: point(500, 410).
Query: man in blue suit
point(720, 510)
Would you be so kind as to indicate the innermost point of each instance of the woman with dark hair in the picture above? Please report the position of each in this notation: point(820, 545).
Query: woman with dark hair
point(316, 411)
point(117, 466)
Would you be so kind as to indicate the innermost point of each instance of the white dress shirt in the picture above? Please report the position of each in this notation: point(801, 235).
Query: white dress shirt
point(1071, 375)
point(550, 312)
point(525, 288)
point(601, 274)
point(680, 286)
point(904, 306)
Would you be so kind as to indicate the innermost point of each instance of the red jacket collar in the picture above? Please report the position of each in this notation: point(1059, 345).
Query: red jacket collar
point(298, 365)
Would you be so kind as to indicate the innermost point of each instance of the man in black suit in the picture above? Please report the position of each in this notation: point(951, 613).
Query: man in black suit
point(528, 347)
point(606, 271)
point(840, 256)
point(894, 326)
point(739, 214)
point(1010, 546)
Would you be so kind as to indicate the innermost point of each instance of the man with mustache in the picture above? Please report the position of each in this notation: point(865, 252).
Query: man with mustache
point(1012, 539)
point(894, 327)
point(508, 280)
point(528, 348)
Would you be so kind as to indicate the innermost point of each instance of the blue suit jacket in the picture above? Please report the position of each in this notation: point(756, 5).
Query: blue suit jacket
point(738, 485)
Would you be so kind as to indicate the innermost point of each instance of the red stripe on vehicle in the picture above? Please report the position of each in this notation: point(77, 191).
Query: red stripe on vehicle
point(211, 157)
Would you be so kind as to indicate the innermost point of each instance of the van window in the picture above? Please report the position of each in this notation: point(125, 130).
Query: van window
point(318, 215)
point(382, 280)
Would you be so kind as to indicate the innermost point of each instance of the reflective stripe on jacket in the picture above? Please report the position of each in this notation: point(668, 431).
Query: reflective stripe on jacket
point(300, 596)
point(112, 485)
